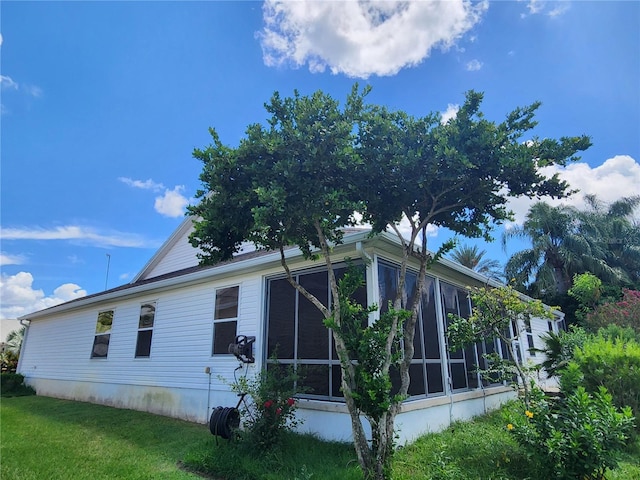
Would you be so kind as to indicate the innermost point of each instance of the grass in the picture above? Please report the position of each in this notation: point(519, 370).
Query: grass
point(57, 439)
point(300, 457)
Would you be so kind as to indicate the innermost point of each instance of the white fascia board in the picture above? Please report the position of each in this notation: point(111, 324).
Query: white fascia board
point(200, 276)
point(166, 246)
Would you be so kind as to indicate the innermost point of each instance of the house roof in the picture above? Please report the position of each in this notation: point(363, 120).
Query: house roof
point(245, 262)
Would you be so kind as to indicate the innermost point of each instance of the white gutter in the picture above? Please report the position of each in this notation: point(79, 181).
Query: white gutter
point(196, 277)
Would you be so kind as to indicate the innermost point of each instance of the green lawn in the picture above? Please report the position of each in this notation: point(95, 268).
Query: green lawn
point(44, 438)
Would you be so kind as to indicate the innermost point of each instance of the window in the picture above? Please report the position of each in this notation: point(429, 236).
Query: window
point(296, 334)
point(426, 366)
point(145, 329)
point(530, 341)
point(462, 363)
point(103, 334)
point(225, 319)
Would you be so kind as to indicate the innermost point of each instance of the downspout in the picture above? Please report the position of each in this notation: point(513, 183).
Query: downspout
point(371, 279)
point(24, 342)
point(363, 253)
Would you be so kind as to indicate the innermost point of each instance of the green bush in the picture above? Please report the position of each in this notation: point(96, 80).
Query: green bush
point(12, 385)
point(626, 334)
point(624, 313)
point(271, 412)
point(577, 436)
point(560, 348)
point(613, 364)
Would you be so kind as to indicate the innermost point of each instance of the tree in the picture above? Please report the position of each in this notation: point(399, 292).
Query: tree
point(10, 353)
point(14, 339)
point(299, 180)
point(566, 241)
point(472, 257)
point(613, 236)
point(556, 250)
point(499, 313)
point(625, 313)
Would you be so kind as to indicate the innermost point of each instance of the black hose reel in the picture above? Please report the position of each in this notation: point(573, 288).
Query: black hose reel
point(225, 420)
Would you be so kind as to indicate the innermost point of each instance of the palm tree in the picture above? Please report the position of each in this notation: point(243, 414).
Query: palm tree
point(13, 343)
point(472, 257)
point(556, 250)
point(11, 350)
point(612, 231)
point(566, 241)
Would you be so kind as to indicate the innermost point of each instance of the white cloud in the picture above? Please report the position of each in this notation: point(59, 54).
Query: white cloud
point(8, 82)
point(449, 113)
point(535, 6)
point(540, 7)
point(144, 185)
point(172, 203)
point(474, 65)
point(20, 298)
point(32, 90)
point(616, 178)
point(80, 234)
point(8, 259)
point(75, 260)
point(362, 38)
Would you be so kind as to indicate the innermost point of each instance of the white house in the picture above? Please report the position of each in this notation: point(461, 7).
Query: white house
point(160, 343)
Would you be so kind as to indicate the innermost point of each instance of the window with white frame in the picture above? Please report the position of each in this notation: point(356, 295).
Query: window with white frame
point(145, 329)
point(225, 319)
point(103, 334)
point(530, 342)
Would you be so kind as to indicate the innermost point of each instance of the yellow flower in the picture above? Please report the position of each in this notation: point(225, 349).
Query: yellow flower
point(529, 414)
point(510, 426)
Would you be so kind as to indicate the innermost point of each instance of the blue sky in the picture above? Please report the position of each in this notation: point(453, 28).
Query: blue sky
point(104, 102)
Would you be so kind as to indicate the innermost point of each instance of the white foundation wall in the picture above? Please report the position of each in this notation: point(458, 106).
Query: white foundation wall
point(331, 421)
point(185, 403)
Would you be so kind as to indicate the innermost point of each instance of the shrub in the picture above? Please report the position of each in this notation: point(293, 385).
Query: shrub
point(615, 365)
point(625, 313)
point(626, 334)
point(272, 410)
point(12, 385)
point(560, 347)
point(577, 436)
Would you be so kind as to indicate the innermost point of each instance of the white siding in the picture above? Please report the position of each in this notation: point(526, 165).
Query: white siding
point(57, 358)
point(181, 255)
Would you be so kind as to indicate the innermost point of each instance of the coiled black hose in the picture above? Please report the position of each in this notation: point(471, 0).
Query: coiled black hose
point(223, 421)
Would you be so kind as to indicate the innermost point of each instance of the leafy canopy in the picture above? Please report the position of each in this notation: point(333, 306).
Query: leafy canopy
point(282, 181)
point(315, 163)
point(459, 174)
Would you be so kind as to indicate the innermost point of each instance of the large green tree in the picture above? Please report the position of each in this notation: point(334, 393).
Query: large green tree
point(299, 179)
point(613, 234)
point(566, 241)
